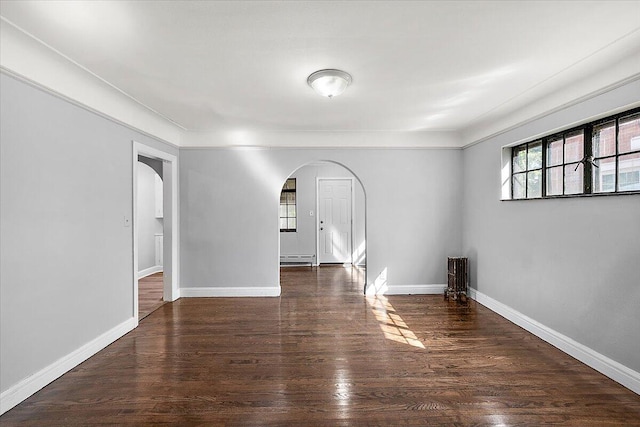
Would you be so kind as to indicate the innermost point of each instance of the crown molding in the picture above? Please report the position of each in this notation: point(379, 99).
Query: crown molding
point(33, 61)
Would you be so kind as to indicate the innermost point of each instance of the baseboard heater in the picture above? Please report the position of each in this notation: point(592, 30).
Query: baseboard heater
point(297, 260)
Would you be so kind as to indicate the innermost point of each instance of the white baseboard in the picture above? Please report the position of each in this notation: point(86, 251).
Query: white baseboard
point(33, 383)
point(254, 291)
point(609, 367)
point(149, 271)
point(415, 289)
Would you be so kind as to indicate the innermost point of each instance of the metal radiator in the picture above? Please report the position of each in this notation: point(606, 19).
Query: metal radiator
point(457, 279)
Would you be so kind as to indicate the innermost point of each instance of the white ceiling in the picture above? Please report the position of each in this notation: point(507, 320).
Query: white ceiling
point(416, 66)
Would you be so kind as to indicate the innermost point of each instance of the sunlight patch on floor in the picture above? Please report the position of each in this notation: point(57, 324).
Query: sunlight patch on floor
point(392, 325)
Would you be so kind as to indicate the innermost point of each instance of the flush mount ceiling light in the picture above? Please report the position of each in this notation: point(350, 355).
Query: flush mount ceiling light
point(329, 83)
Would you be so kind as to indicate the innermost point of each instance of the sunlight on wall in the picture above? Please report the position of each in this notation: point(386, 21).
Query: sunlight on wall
point(359, 254)
point(261, 168)
point(391, 323)
point(379, 285)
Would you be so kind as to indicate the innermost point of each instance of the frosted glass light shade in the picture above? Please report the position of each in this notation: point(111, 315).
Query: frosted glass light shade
point(329, 83)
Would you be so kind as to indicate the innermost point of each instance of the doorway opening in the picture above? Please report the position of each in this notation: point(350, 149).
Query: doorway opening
point(322, 218)
point(150, 233)
point(155, 229)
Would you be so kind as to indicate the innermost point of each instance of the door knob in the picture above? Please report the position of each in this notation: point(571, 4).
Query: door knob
point(321, 228)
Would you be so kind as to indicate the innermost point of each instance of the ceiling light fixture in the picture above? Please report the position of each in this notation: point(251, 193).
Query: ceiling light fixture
point(329, 83)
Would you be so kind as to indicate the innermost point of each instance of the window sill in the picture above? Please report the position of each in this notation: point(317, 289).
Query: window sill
point(575, 196)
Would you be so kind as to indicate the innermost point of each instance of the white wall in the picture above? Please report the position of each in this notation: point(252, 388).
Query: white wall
point(148, 224)
point(569, 264)
point(303, 241)
point(229, 212)
point(66, 264)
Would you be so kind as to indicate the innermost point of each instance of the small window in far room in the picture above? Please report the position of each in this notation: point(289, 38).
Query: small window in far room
point(288, 218)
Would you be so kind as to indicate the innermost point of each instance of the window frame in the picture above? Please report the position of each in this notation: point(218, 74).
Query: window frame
point(564, 135)
point(295, 216)
point(618, 154)
point(588, 170)
point(526, 171)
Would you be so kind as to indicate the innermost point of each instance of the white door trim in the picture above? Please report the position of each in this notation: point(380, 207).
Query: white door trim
point(171, 293)
point(353, 206)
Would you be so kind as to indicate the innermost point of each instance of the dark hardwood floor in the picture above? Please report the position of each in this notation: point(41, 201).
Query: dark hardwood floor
point(324, 355)
point(150, 293)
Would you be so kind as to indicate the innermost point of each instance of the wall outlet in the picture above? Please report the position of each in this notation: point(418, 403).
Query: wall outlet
point(127, 221)
point(310, 213)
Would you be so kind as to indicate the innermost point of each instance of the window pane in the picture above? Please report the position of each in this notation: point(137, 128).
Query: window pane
point(519, 186)
point(534, 184)
point(573, 179)
point(519, 158)
point(283, 223)
point(554, 152)
point(291, 198)
point(291, 212)
point(604, 139)
point(554, 181)
point(629, 172)
point(629, 134)
point(292, 223)
point(283, 198)
point(290, 184)
point(534, 158)
point(283, 211)
point(573, 147)
point(604, 176)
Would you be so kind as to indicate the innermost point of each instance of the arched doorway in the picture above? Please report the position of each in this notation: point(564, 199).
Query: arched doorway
point(322, 217)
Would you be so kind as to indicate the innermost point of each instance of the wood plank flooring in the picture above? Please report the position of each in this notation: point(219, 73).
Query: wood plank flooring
point(324, 355)
point(150, 294)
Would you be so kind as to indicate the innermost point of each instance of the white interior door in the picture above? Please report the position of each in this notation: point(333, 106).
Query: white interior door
point(334, 220)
